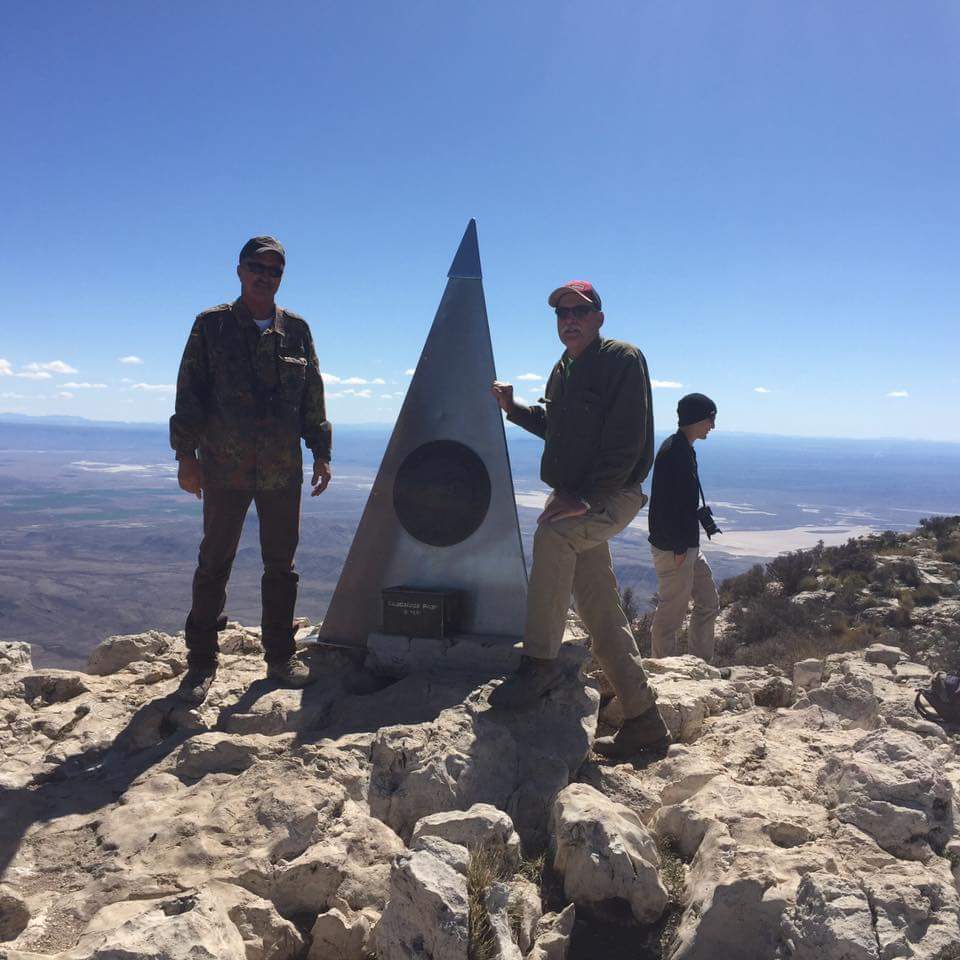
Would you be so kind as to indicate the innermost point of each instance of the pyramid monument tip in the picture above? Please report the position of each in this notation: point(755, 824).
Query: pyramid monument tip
point(466, 262)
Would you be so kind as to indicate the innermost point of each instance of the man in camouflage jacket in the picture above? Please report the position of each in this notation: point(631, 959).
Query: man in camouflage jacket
point(248, 390)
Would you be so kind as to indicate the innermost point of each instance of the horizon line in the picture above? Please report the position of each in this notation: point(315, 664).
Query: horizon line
point(389, 423)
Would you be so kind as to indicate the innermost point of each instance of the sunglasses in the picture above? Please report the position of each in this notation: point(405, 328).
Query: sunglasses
point(578, 312)
point(262, 270)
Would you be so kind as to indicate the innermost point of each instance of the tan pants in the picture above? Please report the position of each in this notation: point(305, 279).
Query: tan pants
point(675, 586)
point(572, 556)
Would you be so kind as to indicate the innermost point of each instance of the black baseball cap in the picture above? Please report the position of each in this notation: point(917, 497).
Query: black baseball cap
point(257, 245)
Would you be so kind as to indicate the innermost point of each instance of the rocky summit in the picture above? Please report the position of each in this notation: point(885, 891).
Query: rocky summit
point(810, 816)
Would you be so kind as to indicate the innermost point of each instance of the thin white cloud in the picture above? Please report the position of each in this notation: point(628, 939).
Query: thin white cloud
point(898, 393)
point(14, 396)
point(529, 376)
point(386, 396)
point(155, 387)
point(34, 375)
point(760, 390)
point(52, 366)
point(665, 384)
point(64, 395)
point(84, 386)
point(351, 381)
point(6, 369)
point(131, 359)
point(409, 372)
point(363, 394)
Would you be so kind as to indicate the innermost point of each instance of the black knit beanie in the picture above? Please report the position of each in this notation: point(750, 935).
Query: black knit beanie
point(695, 407)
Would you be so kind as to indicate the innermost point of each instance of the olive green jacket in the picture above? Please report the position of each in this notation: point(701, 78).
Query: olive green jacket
point(596, 421)
point(245, 398)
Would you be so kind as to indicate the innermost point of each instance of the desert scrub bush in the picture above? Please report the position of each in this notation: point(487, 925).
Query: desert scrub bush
point(906, 572)
point(743, 587)
point(784, 650)
point(789, 569)
point(940, 528)
point(641, 628)
point(890, 542)
point(628, 601)
point(487, 865)
point(767, 617)
point(673, 873)
point(926, 595)
point(854, 555)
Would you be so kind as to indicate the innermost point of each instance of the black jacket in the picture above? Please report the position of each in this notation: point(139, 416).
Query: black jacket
point(596, 421)
point(675, 496)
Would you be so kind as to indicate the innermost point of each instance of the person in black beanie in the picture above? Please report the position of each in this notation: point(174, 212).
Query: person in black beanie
point(682, 571)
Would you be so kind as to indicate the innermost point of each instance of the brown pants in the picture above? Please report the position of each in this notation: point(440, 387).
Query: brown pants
point(223, 514)
point(675, 587)
point(572, 556)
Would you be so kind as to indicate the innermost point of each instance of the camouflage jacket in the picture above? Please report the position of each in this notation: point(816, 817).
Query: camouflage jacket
point(245, 398)
point(596, 420)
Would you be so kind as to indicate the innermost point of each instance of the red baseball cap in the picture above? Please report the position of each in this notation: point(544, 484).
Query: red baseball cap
point(581, 288)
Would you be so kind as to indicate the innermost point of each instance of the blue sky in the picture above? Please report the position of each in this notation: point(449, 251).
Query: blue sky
point(765, 194)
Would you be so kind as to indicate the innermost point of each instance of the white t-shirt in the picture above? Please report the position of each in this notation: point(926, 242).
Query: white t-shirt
point(263, 324)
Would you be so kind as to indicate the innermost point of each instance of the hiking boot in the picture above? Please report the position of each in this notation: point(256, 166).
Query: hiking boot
point(291, 673)
point(532, 680)
point(646, 734)
point(195, 684)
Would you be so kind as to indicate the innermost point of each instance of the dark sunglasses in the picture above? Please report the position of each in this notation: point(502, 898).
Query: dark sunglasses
point(578, 312)
point(262, 270)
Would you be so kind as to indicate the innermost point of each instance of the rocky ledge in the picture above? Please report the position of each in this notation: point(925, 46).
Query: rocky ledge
point(803, 817)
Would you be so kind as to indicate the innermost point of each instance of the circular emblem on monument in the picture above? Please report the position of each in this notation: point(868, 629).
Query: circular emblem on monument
point(442, 493)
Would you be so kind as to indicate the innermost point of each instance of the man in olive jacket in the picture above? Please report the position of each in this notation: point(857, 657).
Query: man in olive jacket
point(597, 425)
point(248, 389)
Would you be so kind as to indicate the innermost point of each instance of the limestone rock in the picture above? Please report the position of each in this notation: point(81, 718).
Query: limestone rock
point(115, 653)
point(451, 854)
point(891, 788)
point(527, 909)
point(46, 687)
point(15, 657)
point(482, 825)
point(807, 674)
point(351, 863)
point(339, 936)
point(223, 753)
point(883, 653)
point(688, 691)
point(916, 910)
point(831, 920)
point(215, 922)
point(849, 692)
point(497, 903)
point(427, 913)
point(553, 935)
point(603, 852)
point(471, 754)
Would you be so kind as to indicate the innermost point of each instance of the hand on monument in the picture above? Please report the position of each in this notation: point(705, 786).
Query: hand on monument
point(678, 559)
point(503, 394)
point(321, 477)
point(190, 475)
point(560, 506)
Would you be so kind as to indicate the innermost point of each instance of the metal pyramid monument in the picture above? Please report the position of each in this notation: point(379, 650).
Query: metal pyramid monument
point(442, 513)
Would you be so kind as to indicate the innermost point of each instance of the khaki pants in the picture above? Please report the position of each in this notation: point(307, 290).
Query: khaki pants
point(676, 585)
point(571, 556)
point(223, 514)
